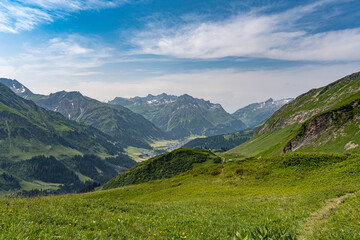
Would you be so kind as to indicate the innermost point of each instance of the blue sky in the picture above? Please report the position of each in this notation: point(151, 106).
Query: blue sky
point(229, 52)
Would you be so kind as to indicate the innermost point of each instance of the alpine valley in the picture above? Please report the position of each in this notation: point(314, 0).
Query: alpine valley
point(293, 174)
point(91, 135)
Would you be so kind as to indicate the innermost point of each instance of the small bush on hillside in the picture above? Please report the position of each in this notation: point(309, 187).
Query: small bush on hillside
point(215, 172)
point(217, 160)
point(239, 171)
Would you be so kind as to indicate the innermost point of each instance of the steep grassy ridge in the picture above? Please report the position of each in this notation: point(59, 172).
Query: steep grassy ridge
point(313, 102)
point(27, 130)
point(322, 120)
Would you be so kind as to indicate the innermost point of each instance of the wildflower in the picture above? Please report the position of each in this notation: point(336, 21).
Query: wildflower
point(69, 224)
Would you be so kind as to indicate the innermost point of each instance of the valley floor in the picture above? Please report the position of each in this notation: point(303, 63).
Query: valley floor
point(294, 196)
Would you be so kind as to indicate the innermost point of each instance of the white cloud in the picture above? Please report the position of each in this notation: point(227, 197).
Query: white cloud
point(73, 5)
point(276, 36)
point(58, 59)
point(17, 16)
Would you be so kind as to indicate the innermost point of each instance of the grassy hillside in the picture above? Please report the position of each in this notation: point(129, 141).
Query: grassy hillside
point(278, 197)
point(322, 120)
point(163, 166)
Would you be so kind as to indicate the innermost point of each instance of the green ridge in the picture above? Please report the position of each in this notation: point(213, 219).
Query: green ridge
point(163, 166)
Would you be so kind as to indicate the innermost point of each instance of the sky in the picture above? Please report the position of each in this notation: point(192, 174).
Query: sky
point(229, 52)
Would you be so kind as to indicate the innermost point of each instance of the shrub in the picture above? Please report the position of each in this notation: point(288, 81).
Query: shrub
point(239, 171)
point(217, 160)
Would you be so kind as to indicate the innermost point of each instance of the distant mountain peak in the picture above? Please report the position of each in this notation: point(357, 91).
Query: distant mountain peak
point(20, 89)
point(270, 100)
point(257, 113)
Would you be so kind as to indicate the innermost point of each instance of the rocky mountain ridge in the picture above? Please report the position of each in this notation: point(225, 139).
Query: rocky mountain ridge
point(183, 116)
point(115, 120)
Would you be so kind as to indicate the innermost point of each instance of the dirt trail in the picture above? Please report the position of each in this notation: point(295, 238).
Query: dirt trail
point(322, 214)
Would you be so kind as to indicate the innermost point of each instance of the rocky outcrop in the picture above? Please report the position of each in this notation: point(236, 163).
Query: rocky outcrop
point(309, 131)
point(332, 120)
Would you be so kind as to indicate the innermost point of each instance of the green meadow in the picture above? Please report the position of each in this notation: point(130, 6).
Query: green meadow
point(291, 196)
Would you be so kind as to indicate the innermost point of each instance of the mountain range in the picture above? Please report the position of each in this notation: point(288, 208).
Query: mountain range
point(170, 116)
point(183, 116)
point(117, 121)
point(126, 127)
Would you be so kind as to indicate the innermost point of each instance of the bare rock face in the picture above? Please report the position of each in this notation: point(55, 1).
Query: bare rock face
point(310, 132)
point(327, 122)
